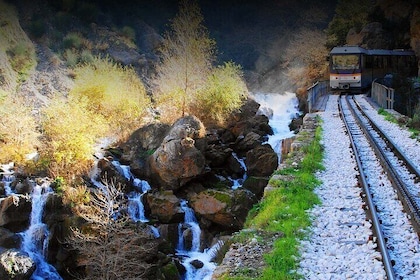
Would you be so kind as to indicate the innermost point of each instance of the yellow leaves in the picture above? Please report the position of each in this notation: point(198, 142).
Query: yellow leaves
point(107, 99)
point(113, 91)
point(71, 131)
point(224, 92)
point(18, 131)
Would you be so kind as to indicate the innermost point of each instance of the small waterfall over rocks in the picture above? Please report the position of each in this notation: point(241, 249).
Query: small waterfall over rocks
point(198, 264)
point(35, 238)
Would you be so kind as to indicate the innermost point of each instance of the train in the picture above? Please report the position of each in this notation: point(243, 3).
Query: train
point(353, 68)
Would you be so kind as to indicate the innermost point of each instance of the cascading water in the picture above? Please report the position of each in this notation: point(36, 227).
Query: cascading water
point(237, 183)
point(191, 223)
point(7, 177)
point(280, 109)
point(135, 206)
point(189, 256)
point(35, 238)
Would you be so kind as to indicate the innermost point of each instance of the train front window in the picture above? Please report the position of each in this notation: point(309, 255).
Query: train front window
point(345, 62)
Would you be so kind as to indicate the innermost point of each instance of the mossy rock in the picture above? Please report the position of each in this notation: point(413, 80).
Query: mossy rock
point(170, 272)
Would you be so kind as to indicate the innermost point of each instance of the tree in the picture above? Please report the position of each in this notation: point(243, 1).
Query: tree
point(224, 92)
point(113, 91)
point(186, 55)
point(18, 130)
point(110, 246)
point(348, 14)
point(306, 57)
point(70, 131)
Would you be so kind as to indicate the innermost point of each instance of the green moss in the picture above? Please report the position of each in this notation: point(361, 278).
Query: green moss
point(221, 196)
point(170, 272)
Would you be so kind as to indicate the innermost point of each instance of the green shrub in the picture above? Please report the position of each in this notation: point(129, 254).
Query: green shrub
point(129, 33)
point(18, 131)
point(114, 92)
point(86, 56)
point(72, 58)
point(22, 58)
point(415, 120)
point(72, 40)
point(224, 92)
point(70, 132)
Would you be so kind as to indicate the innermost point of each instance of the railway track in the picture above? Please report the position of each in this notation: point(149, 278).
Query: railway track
point(391, 190)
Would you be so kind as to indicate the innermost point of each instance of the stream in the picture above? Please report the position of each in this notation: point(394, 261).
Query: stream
point(280, 108)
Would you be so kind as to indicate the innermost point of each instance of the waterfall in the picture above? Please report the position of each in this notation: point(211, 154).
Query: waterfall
point(189, 256)
point(284, 108)
point(8, 177)
point(237, 183)
point(35, 238)
point(7, 180)
point(191, 222)
point(136, 207)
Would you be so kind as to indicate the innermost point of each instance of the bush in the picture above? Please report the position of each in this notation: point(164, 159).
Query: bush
point(223, 93)
point(70, 132)
point(22, 58)
point(18, 131)
point(72, 40)
point(415, 120)
point(86, 56)
point(114, 92)
point(72, 58)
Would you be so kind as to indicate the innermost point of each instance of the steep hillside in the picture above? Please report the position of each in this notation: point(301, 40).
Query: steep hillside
point(17, 57)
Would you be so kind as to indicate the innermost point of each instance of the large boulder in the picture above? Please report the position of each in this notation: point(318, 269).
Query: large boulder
point(23, 186)
point(178, 160)
point(15, 211)
point(9, 239)
point(227, 208)
point(257, 123)
point(140, 145)
point(256, 185)
point(250, 141)
point(164, 206)
point(261, 161)
point(16, 264)
point(112, 174)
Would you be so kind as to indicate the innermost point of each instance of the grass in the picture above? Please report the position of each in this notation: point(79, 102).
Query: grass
point(411, 124)
point(284, 210)
point(387, 115)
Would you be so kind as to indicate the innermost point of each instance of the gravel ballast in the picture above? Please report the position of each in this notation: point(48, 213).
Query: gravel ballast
point(339, 244)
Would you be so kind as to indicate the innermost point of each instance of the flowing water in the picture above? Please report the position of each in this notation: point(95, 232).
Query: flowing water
point(35, 238)
point(237, 183)
point(190, 255)
point(281, 109)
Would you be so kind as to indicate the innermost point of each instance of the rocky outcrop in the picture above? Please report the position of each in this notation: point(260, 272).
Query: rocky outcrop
point(164, 206)
point(227, 208)
point(16, 264)
point(14, 212)
point(261, 161)
point(372, 36)
point(178, 160)
point(9, 239)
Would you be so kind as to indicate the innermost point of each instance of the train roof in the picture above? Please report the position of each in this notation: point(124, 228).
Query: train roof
point(357, 50)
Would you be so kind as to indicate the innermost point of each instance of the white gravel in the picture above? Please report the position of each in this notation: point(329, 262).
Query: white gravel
point(401, 137)
point(339, 246)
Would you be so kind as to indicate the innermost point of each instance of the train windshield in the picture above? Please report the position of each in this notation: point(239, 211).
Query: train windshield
point(345, 62)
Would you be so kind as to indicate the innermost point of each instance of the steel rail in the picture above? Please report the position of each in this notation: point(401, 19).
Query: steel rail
point(405, 196)
point(380, 239)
